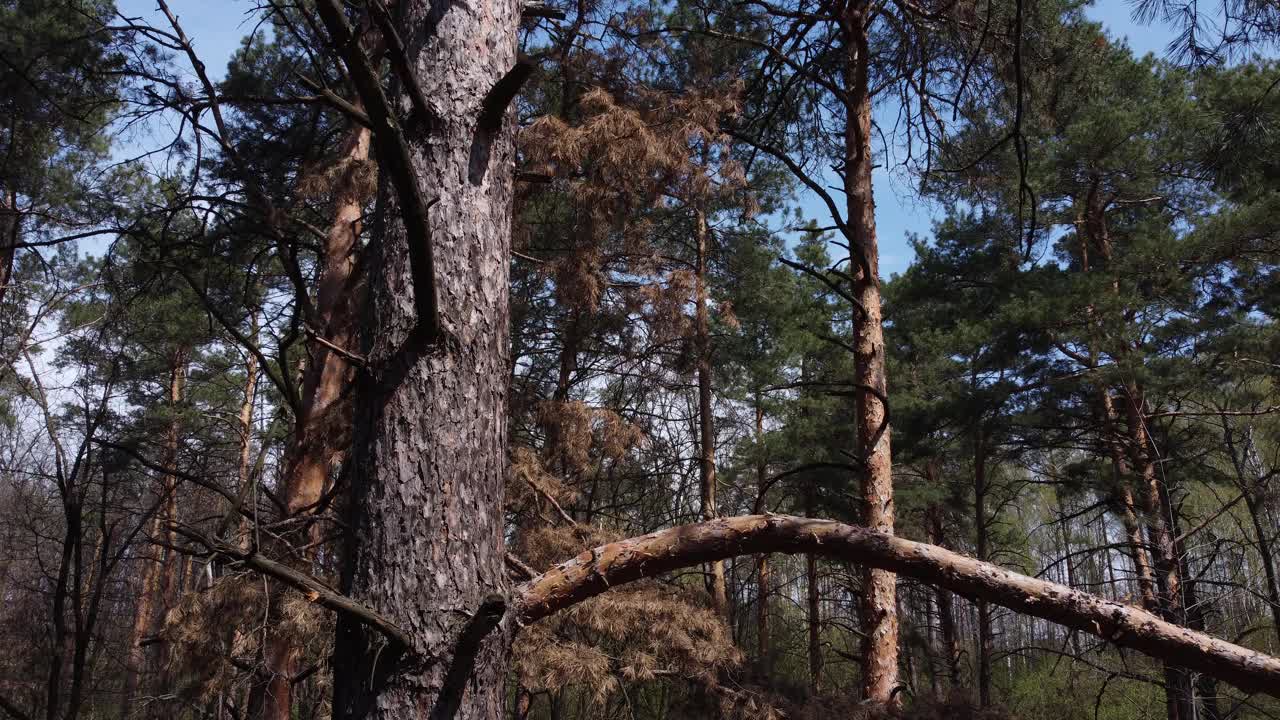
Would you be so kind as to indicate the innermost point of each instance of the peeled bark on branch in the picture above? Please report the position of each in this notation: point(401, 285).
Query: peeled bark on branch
point(595, 571)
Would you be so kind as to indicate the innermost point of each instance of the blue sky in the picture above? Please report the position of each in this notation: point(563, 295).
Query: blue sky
point(899, 213)
point(216, 27)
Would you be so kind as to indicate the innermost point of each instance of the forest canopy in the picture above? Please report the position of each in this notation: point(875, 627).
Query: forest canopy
point(540, 359)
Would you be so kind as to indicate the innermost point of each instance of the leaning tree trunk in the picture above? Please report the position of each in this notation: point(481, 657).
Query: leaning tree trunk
point(430, 447)
point(598, 570)
point(879, 588)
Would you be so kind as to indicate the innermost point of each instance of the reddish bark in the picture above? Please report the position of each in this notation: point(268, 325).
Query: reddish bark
point(324, 423)
point(879, 588)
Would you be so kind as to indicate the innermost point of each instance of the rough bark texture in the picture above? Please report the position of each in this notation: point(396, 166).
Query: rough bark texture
point(879, 588)
point(429, 457)
point(597, 570)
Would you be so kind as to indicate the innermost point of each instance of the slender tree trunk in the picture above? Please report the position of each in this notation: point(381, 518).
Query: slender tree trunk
point(1250, 479)
point(879, 589)
point(1166, 591)
point(1094, 222)
point(556, 449)
point(814, 623)
point(986, 639)
point(706, 419)
point(323, 428)
point(1179, 694)
point(1206, 686)
point(10, 223)
point(1121, 470)
point(1064, 526)
point(430, 450)
point(813, 608)
point(144, 621)
point(244, 466)
point(946, 610)
point(159, 577)
point(762, 560)
point(324, 425)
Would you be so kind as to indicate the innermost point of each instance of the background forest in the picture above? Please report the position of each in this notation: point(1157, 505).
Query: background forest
point(1076, 380)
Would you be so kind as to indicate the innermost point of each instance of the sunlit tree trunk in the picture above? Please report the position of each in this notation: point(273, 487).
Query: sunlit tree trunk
point(323, 427)
point(879, 589)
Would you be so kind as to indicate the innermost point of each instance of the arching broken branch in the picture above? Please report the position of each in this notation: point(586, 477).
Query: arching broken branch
point(595, 571)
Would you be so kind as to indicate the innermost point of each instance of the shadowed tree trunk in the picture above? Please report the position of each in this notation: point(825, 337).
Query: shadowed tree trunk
point(10, 222)
point(762, 560)
point(946, 611)
point(986, 640)
point(706, 419)
point(160, 577)
point(323, 428)
point(813, 617)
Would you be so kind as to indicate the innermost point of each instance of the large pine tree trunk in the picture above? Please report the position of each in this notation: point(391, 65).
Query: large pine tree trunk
point(429, 455)
point(879, 588)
